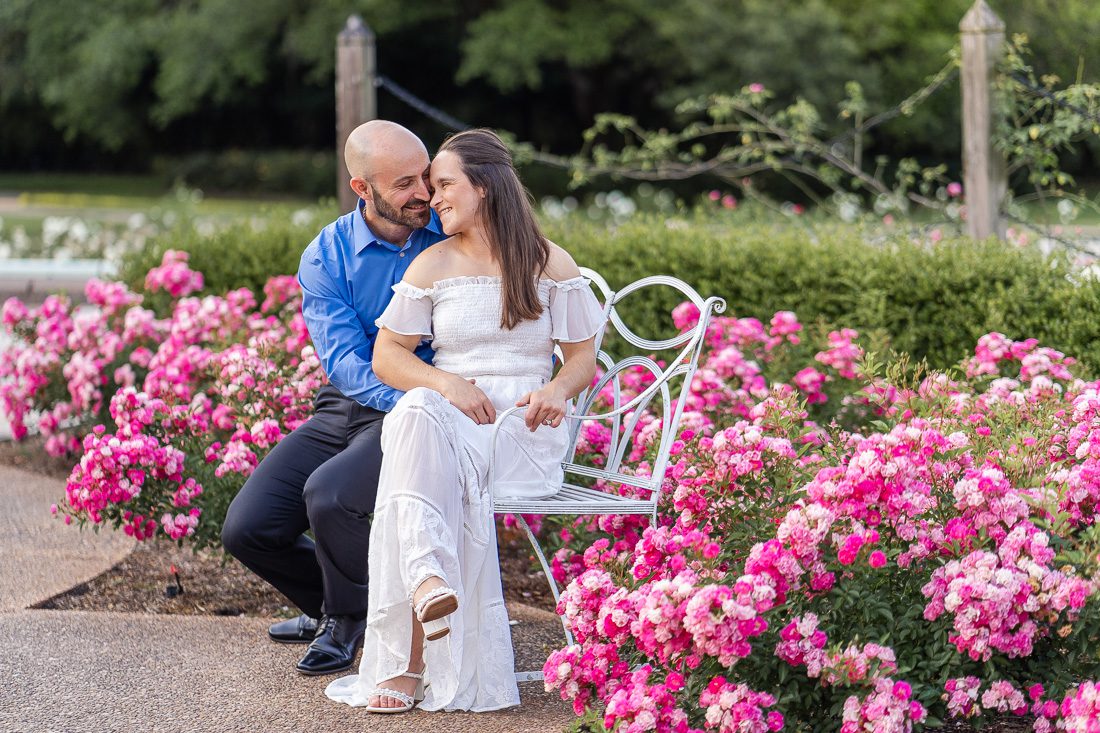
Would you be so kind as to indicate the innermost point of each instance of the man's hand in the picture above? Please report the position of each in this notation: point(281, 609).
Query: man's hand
point(470, 399)
point(545, 406)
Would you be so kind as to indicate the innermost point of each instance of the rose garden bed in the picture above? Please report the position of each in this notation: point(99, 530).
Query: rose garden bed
point(843, 543)
point(216, 585)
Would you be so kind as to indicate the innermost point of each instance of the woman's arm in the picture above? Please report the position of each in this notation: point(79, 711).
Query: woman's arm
point(547, 405)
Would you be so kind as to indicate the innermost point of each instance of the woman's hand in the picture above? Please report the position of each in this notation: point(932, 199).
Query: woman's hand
point(545, 406)
point(470, 399)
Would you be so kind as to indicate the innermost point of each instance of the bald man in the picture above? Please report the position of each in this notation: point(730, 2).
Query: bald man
point(323, 477)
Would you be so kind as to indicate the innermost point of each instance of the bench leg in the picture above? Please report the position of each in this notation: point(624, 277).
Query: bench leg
point(535, 676)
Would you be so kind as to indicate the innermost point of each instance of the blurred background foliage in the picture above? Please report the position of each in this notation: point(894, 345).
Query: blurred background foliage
point(142, 85)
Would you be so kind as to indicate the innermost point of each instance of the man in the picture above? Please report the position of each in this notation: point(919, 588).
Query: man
point(324, 475)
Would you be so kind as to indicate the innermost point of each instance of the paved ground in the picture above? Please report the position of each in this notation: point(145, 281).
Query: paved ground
point(39, 556)
point(82, 672)
point(32, 280)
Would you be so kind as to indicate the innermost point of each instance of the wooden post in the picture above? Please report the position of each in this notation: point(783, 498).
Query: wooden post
point(356, 102)
point(984, 179)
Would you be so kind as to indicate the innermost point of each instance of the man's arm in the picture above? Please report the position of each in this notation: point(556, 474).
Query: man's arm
point(339, 338)
point(397, 364)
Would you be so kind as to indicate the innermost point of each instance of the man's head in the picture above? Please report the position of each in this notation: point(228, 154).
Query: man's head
point(388, 165)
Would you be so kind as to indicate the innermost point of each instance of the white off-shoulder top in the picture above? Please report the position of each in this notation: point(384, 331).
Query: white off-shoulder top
point(461, 318)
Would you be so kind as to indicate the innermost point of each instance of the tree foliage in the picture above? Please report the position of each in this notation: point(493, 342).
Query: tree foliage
point(131, 75)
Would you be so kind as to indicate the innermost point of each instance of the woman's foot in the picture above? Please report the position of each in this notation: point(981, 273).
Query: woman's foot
point(433, 602)
point(409, 689)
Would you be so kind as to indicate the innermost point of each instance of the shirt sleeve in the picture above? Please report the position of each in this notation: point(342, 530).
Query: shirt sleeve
point(409, 312)
point(575, 314)
point(342, 345)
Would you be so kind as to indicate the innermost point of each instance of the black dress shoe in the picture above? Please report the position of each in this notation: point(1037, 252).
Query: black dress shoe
point(299, 630)
point(333, 649)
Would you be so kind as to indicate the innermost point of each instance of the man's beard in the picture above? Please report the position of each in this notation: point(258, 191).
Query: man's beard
point(403, 216)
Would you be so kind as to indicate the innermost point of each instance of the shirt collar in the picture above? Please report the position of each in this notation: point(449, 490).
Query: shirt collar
point(362, 236)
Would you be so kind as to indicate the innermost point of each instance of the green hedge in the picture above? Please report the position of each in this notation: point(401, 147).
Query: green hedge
point(239, 255)
point(932, 301)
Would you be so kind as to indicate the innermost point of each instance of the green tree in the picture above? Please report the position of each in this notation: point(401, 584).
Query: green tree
point(114, 70)
point(136, 75)
point(83, 62)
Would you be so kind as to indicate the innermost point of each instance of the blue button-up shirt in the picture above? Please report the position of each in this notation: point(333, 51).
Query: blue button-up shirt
point(347, 274)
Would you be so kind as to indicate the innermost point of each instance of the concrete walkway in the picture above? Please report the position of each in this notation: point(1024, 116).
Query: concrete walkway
point(75, 671)
point(39, 556)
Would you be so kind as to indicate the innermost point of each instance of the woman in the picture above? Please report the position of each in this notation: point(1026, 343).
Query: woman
point(493, 298)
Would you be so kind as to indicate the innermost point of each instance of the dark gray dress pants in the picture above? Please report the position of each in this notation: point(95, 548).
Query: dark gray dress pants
point(324, 477)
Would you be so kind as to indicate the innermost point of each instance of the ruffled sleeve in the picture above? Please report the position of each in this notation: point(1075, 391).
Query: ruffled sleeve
point(575, 314)
point(409, 312)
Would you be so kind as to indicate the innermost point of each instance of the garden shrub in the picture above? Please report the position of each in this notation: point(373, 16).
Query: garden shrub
point(171, 413)
point(934, 560)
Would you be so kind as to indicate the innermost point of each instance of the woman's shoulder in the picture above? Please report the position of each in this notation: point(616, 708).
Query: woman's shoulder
point(430, 266)
point(560, 266)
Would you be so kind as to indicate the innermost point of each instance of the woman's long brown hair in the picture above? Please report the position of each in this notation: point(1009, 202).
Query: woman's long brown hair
point(505, 214)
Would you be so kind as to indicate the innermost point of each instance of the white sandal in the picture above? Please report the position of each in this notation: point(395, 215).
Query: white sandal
point(433, 609)
point(408, 702)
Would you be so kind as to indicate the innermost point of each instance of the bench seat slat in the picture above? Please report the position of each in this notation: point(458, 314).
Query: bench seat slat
point(576, 500)
point(641, 482)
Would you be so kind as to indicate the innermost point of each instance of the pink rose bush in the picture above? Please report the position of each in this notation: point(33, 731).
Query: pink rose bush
point(832, 545)
point(174, 276)
point(168, 414)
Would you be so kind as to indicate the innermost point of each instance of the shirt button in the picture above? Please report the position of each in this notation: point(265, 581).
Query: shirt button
point(400, 254)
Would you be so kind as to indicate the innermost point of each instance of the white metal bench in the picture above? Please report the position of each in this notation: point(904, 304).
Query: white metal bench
point(623, 417)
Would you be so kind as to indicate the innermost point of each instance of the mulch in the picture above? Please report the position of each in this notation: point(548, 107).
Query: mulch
point(213, 583)
point(143, 582)
point(30, 455)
